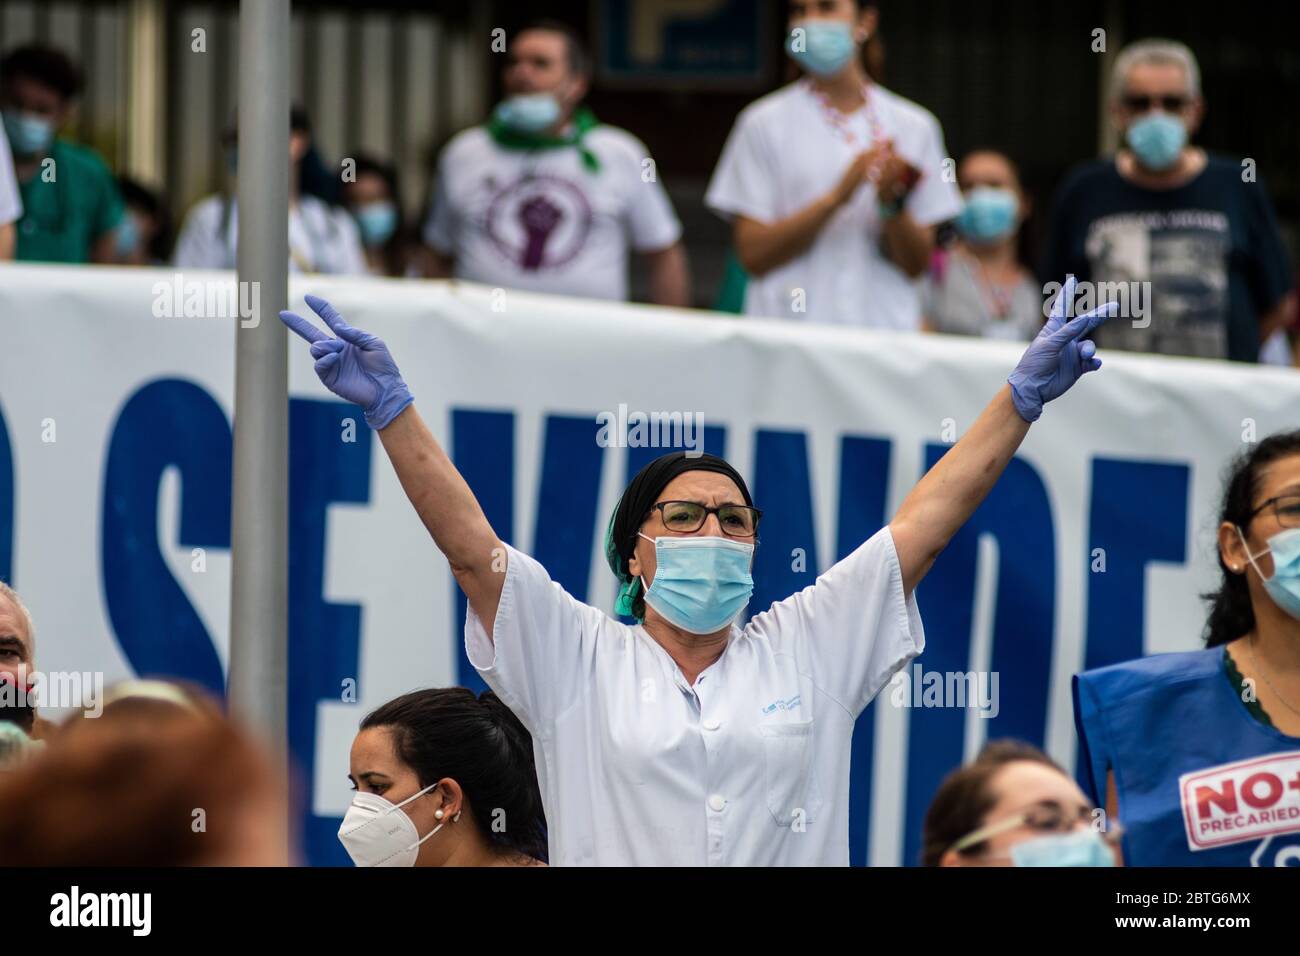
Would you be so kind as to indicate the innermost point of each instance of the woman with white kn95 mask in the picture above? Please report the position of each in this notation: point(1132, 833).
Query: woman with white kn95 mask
point(443, 778)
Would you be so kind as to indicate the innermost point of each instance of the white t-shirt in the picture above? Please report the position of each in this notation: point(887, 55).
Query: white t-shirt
point(785, 152)
point(749, 766)
point(11, 203)
point(322, 238)
point(540, 220)
point(1276, 350)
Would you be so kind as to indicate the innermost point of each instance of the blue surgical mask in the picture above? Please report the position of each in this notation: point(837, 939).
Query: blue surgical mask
point(377, 221)
point(989, 214)
point(529, 113)
point(28, 135)
point(825, 46)
point(1157, 139)
point(126, 237)
point(1076, 848)
point(701, 583)
point(1284, 586)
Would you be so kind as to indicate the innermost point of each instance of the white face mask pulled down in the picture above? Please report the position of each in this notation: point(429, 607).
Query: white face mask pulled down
point(376, 832)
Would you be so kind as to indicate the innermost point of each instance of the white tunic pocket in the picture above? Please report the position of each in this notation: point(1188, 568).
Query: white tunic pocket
point(793, 796)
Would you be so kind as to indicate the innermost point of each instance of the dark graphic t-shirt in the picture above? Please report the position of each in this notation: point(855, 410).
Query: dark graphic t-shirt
point(1199, 264)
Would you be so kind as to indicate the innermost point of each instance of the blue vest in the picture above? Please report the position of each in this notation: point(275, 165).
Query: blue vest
point(1200, 781)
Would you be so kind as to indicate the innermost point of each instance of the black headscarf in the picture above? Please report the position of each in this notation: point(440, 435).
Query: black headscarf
point(638, 498)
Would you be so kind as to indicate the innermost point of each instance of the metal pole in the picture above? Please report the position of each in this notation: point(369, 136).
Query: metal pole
point(258, 687)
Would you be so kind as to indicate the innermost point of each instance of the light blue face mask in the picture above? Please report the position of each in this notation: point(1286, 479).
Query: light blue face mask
point(824, 47)
point(28, 135)
point(989, 214)
point(1284, 586)
point(377, 221)
point(1076, 848)
point(1157, 139)
point(701, 583)
point(529, 113)
point(126, 237)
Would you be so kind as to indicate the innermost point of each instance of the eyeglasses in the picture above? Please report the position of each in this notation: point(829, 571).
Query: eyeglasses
point(1043, 817)
point(687, 517)
point(1140, 103)
point(1286, 509)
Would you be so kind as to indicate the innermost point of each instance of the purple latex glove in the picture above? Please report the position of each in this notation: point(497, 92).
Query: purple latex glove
point(355, 366)
point(1056, 359)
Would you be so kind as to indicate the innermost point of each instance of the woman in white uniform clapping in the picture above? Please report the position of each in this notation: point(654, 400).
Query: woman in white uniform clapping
point(686, 739)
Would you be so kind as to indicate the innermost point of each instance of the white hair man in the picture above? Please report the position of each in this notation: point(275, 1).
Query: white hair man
point(1186, 240)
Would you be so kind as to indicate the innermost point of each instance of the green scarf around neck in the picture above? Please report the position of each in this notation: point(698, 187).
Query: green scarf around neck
point(583, 121)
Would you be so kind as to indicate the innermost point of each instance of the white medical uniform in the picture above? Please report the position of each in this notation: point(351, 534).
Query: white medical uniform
point(748, 766)
point(11, 203)
point(322, 238)
point(788, 150)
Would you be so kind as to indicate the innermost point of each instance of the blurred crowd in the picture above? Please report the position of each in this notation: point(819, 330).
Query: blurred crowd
point(844, 208)
point(159, 775)
point(843, 203)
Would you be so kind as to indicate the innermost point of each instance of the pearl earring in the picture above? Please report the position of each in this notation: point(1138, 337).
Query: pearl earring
point(438, 814)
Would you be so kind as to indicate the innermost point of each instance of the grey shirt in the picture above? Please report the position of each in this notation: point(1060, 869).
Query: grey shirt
point(956, 303)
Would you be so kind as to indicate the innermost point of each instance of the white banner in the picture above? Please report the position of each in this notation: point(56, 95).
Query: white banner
point(114, 495)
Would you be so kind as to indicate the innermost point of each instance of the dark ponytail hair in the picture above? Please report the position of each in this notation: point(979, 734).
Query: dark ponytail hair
point(1231, 614)
point(479, 743)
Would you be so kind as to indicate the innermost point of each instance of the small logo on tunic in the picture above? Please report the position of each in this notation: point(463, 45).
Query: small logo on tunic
point(782, 704)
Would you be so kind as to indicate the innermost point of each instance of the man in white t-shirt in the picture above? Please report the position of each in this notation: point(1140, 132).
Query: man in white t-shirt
point(833, 184)
point(545, 198)
point(322, 238)
point(11, 203)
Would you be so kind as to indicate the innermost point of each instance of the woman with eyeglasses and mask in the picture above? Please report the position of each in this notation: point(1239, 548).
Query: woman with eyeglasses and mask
point(1013, 806)
point(687, 738)
point(1199, 752)
point(444, 778)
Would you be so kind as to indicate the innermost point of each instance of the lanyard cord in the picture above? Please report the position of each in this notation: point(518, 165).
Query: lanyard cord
point(305, 264)
point(999, 295)
point(312, 236)
point(1250, 646)
point(836, 120)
